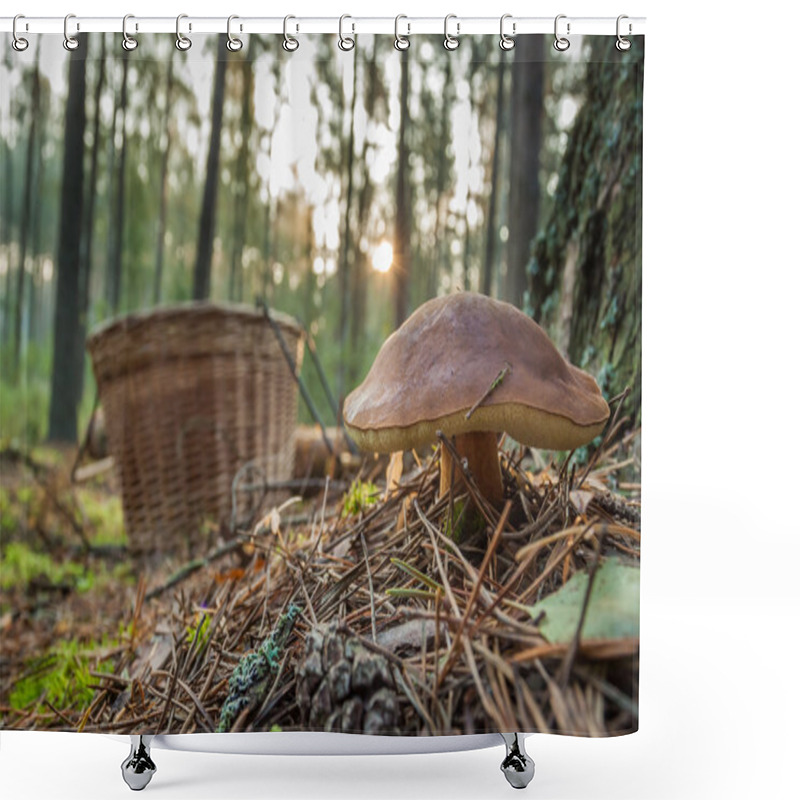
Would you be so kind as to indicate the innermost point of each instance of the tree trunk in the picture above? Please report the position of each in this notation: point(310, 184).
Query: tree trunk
point(24, 233)
point(527, 84)
point(85, 275)
point(34, 295)
point(63, 416)
point(205, 239)
point(345, 289)
point(158, 279)
point(242, 186)
point(8, 228)
point(112, 184)
point(491, 222)
point(114, 274)
point(401, 268)
point(267, 283)
point(593, 254)
point(440, 246)
point(365, 195)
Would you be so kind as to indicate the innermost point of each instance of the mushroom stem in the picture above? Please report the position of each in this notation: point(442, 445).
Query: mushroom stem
point(480, 451)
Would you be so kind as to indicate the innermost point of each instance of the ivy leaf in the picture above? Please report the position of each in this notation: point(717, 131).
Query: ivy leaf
point(612, 612)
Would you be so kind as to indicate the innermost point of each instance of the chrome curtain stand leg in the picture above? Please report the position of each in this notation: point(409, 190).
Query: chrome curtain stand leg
point(138, 768)
point(517, 766)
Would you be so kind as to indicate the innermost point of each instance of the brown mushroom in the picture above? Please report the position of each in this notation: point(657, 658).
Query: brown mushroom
point(473, 367)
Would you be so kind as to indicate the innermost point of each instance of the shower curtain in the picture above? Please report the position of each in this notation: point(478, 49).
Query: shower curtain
point(205, 251)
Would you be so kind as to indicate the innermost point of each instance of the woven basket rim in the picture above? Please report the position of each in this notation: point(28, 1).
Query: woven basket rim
point(197, 309)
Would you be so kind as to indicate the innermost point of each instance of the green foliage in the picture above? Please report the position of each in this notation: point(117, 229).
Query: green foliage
point(25, 402)
point(197, 633)
point(61, 678)
point(103, 512)
point(9, 514)
point(23, 410)
point(21, 564)
point(361, 495)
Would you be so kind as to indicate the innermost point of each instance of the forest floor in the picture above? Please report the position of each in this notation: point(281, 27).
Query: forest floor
point(378, 608)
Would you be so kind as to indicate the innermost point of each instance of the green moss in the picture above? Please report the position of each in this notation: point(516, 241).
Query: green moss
point(62, 678)
point(8, 518)
point(360, 496)
point(103, 512)
point(197, 632)
point(20, 565)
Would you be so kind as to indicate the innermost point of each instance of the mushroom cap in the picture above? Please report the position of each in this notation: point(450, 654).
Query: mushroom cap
point(433, 369)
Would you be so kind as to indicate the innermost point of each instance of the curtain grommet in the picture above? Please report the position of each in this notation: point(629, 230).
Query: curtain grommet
point(346, 43)
point(290, 43)
point(234, 43)
point(19, 43)
point(623, 44)
point(183, 43)
point(451, 42)
point(401, 43)
point(128, 42)
point(70, 42)
point(560, 43)
point(507, 42)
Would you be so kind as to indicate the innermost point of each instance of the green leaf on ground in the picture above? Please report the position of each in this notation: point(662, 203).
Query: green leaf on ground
point(612, 613)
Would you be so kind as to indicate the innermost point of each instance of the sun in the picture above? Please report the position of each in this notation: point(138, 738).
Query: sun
point(382, 257)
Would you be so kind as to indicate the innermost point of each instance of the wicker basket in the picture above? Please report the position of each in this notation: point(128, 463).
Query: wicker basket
point(191, 393)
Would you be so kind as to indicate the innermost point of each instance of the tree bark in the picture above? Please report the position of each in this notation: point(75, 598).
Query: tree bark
point(63, 416)
point(527, 86)
point(208, 214)
point(590, 258)
point(401, 268)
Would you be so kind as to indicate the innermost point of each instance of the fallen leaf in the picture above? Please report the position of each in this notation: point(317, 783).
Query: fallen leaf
point(580, 500)
point(612, 612)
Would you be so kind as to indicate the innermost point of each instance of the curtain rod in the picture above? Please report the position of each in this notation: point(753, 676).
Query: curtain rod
point(407, 25)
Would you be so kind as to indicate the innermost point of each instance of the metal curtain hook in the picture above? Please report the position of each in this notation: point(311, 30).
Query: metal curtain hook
point(18, 42)
point(182, 42)
point(561, 43)
point(70, 42)
point(401, 42)
point(346, 42)
point(451, 42)
point(507, 42)
point(234, 43)
point(128, 42)
point(290, 44)
point(623, 44)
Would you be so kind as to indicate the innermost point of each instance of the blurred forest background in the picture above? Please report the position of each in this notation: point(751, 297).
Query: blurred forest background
point(344, 188)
